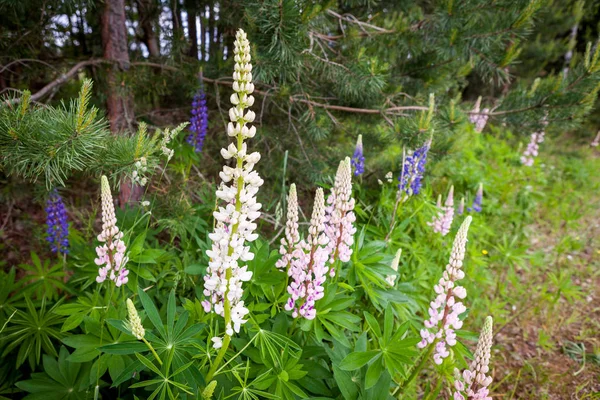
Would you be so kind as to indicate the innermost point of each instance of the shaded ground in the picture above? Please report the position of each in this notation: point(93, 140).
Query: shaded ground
point(550, 349)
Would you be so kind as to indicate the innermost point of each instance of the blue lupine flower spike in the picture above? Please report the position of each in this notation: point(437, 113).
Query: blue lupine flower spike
point(58, 225)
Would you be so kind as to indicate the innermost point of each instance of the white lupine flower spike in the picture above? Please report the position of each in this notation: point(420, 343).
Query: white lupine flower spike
point(135, 323)
point(339, 216)
point(308, 267)
point(473, 383)
point(235, 226)
point(445, 309)
point(111, 254)
point(391, 279)
point(442, 222)
point(292, 237)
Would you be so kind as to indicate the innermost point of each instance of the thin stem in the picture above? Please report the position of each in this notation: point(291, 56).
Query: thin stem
point(152, 350)
point(220, 355)
point(416, 370)
point(237, 354)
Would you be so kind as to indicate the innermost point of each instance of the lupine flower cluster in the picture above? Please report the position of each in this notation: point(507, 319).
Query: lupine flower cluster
point(460, 210)
point(532, 149)
point(391, 279)
point(445, 310)
point(309, 265)
point(292, 237)
point(339, 216)
point(111, 255)
point(596, 141)
point(473, 384)
point(235, 224)
point(135, 323)
point(478, 200)
point(442, 222)
point(479, 119)
point(198, 121)
point(413, 170)
point(358, 159)
point(58, 226)
point(140, 168)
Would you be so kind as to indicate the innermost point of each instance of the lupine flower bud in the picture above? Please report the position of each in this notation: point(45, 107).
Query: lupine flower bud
point(308, 267)
point(58, 226)
point(478, 200)
point(235, 218)
point(199, 121)
point(111, 255)
point(292, 237)
point(442, 222)
point(410, 180)
point(208, 392)
point(445, 310)
point(473, 384)
point(461, 207)
point(479, 119)
point(135, 323)
point(391, 279)
point(533, 147)
point(358, 159)
point(340, 216)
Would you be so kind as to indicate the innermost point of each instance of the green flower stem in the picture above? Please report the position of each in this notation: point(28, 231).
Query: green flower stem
point(152, 350)
point(417, 369)
point(220, 355)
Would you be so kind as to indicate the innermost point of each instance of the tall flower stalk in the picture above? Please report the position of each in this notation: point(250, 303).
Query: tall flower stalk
point(235, 224)
point(292, 237)
point(111, 254)
point(442, 222)
point(134, 324)
point(308, 268)
point(478, 200)
point(57, 223)
point(391, 279)
point(445, 309)
point(473, 383)
point(198, 121)
point(339, 216)
point(479, 119)
point(358, 158)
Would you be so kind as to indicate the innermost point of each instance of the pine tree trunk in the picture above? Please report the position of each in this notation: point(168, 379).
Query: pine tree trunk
point(203, 30)
point(119, 103)
point(192, 31)
point(176, 13)
point(211, 31)
point(147, 12)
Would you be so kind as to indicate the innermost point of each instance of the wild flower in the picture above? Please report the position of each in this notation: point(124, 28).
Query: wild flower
point(235, 224)
point(167, 137)
point(308, 267)
point(460, 210)
point(140, 168)
point(478, 200)
point(473, 383)
point(479, 119)
point(445, 310)
point(339, 216)
point(389, 177)
point(135, 323)
point(413, 170)
point(391, 279)
point(596, 141)
point(533, 147)
point(358, 159)
point(198, 121)
point(292, 237)
point(58, 225)
point(442, 222)
point(111, 255)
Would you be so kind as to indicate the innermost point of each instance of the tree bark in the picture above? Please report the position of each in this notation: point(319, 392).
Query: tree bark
point(190, 6)
point(176, 13)
point(119, 103)
point(147, 13)
point(211, 31)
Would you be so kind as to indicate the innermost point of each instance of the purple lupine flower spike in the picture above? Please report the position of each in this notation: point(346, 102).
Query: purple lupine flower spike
point(478, 201)
point(58, 225)
point(461, 207)
point(413, 170)
point(198, 121)
point(358, 159)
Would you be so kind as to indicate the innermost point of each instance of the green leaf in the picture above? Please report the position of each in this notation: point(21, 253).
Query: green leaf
point(151, 312)
point(356, 360)
point(373, 373)
point(149, 364)
point(373, 324)
point(194, 269)
point(124, 348)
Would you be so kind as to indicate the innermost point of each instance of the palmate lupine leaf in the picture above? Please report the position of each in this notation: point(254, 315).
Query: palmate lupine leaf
point(61, 379)
point(32, 331)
